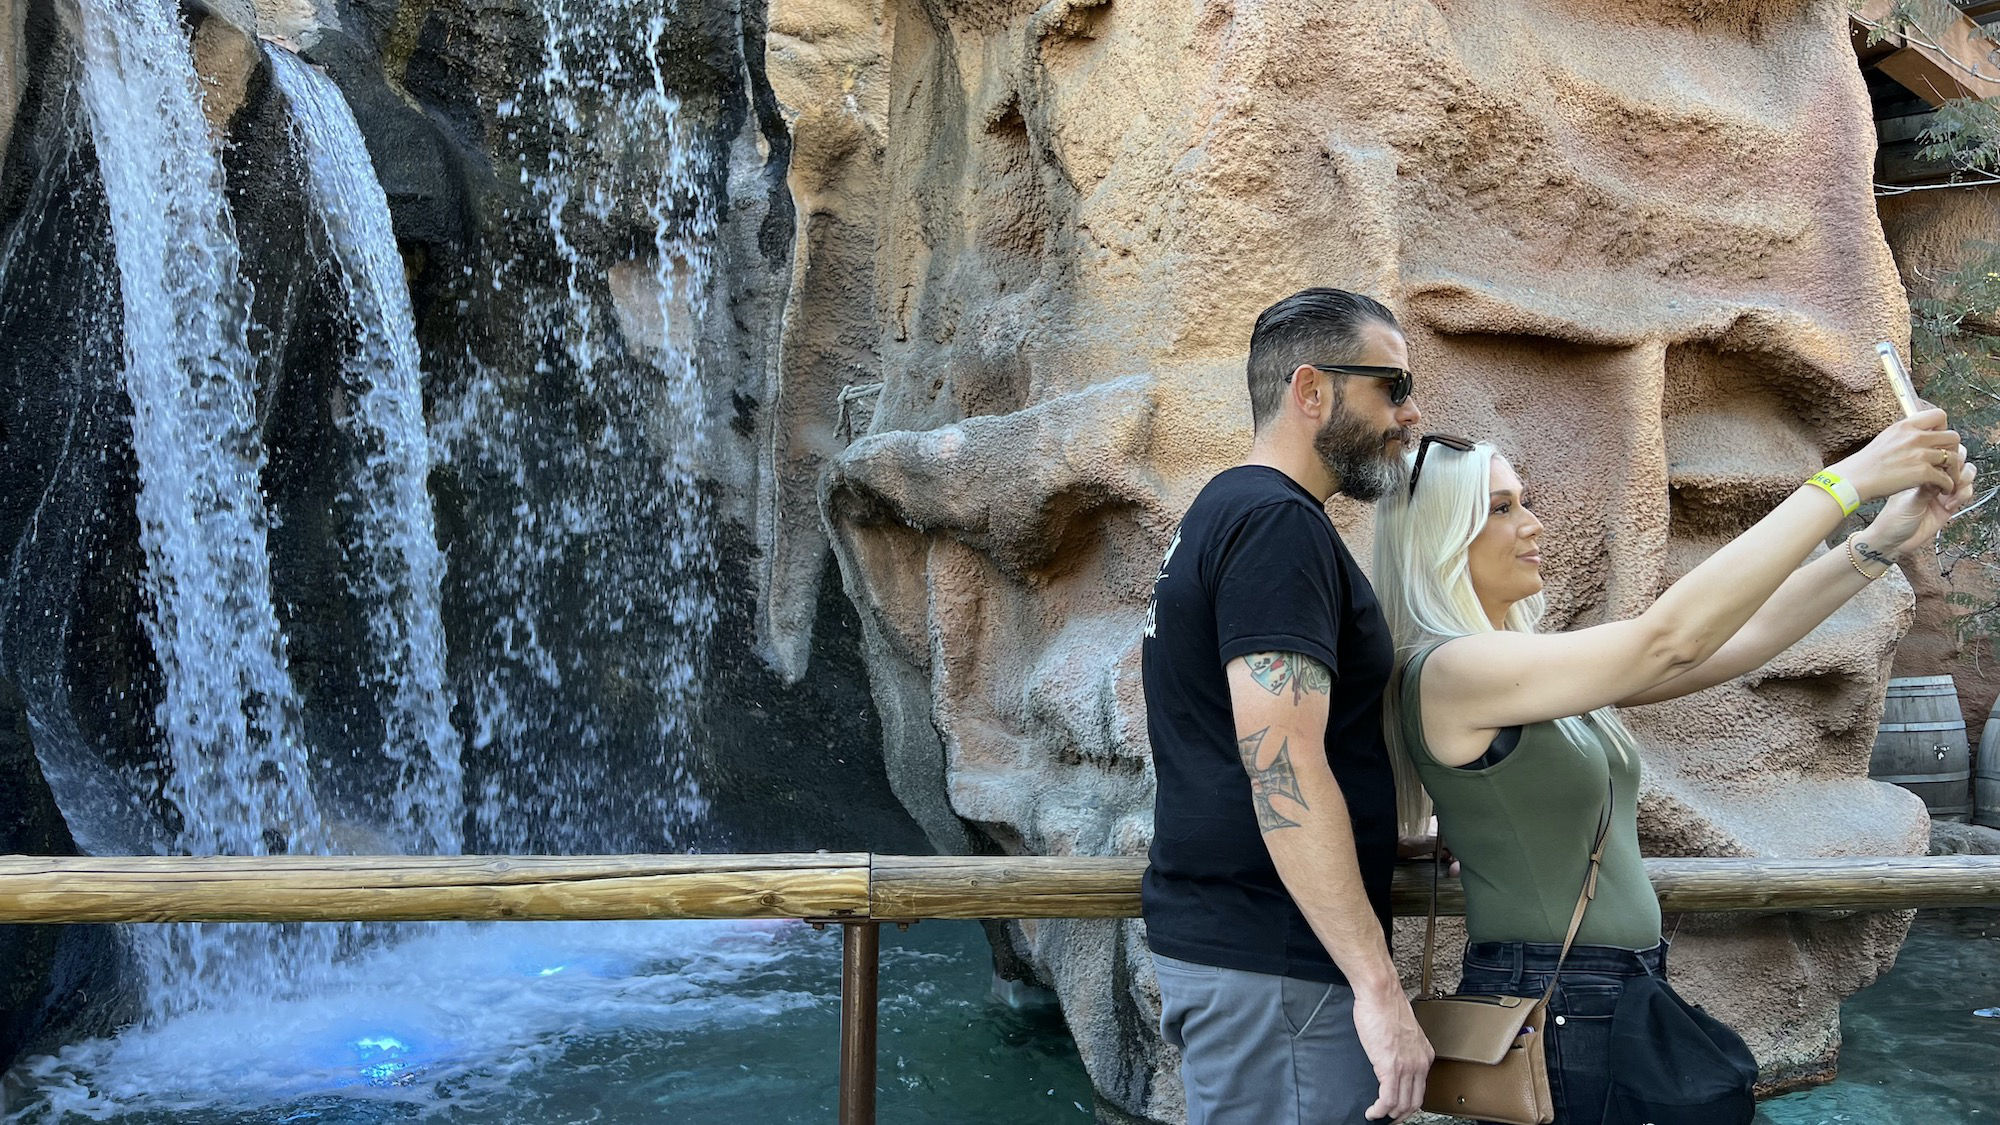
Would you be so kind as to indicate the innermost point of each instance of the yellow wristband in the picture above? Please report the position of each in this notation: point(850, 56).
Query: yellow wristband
point(1842, 492)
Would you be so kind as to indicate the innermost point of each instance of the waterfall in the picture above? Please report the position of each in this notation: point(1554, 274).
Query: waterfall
point(601, 601)
point(398, 552)
point(239, 782)
point(589, 597)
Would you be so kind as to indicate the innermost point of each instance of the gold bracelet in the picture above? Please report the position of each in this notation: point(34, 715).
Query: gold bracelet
point(1854, 557)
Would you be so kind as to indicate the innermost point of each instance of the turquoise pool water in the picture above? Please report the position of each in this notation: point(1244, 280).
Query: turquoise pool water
point(567, 1024)
point(1915, 1048)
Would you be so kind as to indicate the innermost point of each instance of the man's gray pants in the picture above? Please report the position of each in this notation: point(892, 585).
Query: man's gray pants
point(1258, 1049)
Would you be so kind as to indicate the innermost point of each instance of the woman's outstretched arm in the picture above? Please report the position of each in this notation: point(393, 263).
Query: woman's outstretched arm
point(1909, 522)
point(1491, 680)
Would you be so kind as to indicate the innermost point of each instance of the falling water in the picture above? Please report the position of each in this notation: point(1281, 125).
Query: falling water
point(239, 782)
point(402, 566)
point(601, 601)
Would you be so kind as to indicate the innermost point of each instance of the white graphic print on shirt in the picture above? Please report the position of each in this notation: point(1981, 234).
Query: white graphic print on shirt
point(1153, 603)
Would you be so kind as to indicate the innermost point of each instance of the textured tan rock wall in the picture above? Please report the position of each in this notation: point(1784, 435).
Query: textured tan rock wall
point(226, 52)
point(13, 64)
point(295, 23)
point(1632, 243)
point(828, 65)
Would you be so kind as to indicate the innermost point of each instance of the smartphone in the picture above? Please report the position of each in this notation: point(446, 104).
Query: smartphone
point(1899, 379)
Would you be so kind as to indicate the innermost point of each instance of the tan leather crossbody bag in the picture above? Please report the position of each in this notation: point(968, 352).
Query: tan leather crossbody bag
point(1491, 1061)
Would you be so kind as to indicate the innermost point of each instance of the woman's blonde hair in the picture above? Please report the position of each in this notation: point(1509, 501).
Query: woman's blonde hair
point(1424, 582)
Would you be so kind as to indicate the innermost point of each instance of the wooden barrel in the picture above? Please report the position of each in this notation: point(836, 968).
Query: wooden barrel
point(1986, 773)
point(1921, 745)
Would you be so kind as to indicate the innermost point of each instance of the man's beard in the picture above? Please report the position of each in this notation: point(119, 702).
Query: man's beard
point(1358, 456)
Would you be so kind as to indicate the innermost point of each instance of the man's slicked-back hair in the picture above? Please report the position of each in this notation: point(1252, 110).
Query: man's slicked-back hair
point(1319, 326)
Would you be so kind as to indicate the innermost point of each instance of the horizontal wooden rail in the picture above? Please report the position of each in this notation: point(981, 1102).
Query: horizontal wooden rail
point(1851, 883)
point(1075, 887)
point(430, 888)
point(845, 886)
point(907, 886)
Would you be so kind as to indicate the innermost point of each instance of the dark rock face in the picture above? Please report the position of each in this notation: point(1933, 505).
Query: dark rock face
point(64, 444)
point(795, 766)
point(61, 977)
point(75, 683)
point(58, 976)
point(781, 766)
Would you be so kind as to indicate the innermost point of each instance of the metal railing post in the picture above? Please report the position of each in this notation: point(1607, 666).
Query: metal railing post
point(860, 962)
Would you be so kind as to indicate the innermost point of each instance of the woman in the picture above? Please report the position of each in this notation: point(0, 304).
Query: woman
point(1515, 734)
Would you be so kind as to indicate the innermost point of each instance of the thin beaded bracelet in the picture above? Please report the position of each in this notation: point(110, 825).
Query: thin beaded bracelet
point(1854, 557)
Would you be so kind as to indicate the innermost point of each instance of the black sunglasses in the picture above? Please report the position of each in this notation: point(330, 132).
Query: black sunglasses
point(1400, 384)
point(1463, 445)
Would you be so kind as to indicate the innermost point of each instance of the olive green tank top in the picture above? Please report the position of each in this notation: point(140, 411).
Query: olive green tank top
point(1521, 830)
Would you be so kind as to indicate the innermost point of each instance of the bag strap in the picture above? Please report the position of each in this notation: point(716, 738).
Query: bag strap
point(1431, 924)
point(1430, 927)
point(1589, 888)
point(1575, 920)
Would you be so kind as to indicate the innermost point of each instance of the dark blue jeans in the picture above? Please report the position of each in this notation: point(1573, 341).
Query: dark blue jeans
point(1579, 1022)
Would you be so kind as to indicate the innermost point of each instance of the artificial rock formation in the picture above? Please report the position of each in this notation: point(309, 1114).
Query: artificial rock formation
point(1633, 243)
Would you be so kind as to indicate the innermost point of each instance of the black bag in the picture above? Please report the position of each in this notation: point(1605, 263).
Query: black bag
point(1674, 1064)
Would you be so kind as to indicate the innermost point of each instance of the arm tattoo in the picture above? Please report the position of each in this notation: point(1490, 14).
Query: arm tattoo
point(1274, 780)
point(1274, 671)
point(1871, 554)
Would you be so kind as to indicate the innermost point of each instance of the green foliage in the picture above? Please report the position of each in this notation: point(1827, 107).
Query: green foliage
point(1965, 136)
point(1955, 340)
point(1911, 19)
point(1917, 20)
point(1955, 322)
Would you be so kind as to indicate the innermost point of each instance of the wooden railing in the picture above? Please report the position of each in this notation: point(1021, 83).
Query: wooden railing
point(855, 890)
point(827, 886)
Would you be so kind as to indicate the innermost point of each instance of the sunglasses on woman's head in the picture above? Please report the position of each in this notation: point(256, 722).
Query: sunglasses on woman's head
point(1463, 445)
point(1401, 385)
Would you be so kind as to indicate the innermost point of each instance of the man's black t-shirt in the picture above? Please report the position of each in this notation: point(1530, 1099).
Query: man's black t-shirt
point(1256, 566)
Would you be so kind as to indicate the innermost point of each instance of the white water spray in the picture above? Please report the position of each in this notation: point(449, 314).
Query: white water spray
point(229, 719)
point(403, 568)
point(602, 599)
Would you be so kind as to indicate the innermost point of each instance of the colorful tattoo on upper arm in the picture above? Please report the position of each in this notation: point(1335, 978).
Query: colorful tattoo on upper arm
point(1274, 671)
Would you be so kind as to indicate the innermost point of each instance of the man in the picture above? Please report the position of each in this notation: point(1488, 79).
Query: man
point(1265, 655)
